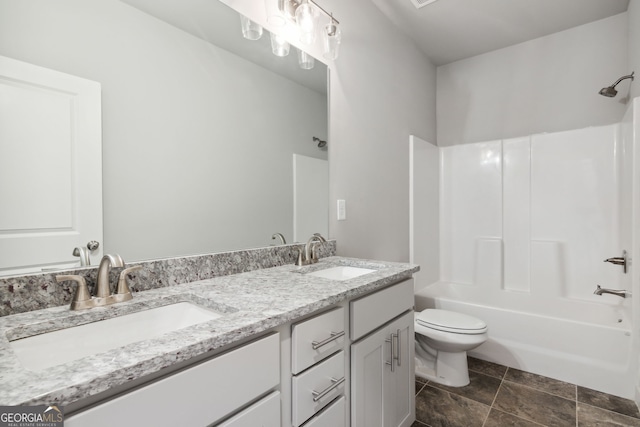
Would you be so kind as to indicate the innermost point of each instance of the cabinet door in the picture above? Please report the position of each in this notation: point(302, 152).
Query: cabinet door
point(400, 400)
point(382, 385)
point(369, 374)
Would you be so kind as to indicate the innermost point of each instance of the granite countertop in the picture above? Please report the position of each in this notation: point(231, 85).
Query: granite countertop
point(252, 303)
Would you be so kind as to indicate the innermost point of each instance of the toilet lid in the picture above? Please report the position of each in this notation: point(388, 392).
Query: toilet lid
point(450, 321)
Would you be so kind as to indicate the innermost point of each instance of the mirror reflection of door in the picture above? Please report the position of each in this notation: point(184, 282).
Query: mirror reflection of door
point(49, 122)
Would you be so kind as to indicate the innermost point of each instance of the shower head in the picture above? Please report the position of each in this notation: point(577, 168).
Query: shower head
point(321, 143)
point(611, 91)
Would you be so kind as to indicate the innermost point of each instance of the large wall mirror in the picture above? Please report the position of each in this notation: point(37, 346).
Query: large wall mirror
point(205, 135)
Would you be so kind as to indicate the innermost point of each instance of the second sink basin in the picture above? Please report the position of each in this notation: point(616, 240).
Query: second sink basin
point(342, 272)
point(54, 348)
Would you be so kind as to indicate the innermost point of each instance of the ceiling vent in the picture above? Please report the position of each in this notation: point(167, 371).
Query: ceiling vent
point(422, 3)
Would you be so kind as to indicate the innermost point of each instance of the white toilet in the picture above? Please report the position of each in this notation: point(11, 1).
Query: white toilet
point(442, 341)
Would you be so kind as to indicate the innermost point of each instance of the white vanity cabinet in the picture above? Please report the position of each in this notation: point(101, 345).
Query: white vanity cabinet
point(382, 363)
point(349, 365)
point(200, 395)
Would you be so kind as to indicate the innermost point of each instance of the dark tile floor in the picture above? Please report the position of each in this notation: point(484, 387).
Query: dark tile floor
point(499, 396)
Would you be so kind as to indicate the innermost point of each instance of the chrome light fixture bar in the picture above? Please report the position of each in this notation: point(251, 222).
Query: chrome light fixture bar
point(305, 14)
point(289, 7)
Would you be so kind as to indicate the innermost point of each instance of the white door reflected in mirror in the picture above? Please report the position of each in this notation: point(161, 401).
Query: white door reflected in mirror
point(50, 121)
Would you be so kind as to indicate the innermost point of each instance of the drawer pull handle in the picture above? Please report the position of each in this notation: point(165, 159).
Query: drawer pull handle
point(397, 355)
point(334, 336)
point(317, 395)
point(393, 357)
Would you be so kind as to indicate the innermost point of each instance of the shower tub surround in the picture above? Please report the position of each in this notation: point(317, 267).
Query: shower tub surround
point(19, 294)
point(252, 302)
point(525, 226)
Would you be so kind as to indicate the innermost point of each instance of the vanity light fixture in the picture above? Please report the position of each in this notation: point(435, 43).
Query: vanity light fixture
point(305, 14)
point(279, 45)
point(306, 18)
point(332, 40)
point(250, 30)
point(305, 61)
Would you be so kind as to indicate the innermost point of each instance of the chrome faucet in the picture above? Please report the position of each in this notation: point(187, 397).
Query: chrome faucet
point(103, 289)
point(308, 256)
point(103, 296)
point(322, 239)
point(279, 236)
point(83, 254)
point(618, 292)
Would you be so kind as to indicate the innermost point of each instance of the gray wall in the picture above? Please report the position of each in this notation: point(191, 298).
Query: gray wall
point(182, 150)
point(382, 91)
point(634, 44)
point(548, 84)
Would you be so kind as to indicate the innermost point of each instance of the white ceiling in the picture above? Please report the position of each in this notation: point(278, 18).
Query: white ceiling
point(450, 30)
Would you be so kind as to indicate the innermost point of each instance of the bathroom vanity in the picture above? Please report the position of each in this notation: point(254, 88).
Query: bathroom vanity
point(288, 346)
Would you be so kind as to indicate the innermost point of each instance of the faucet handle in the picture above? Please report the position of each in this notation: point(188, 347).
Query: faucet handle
point(82, 295)
point(123, 287)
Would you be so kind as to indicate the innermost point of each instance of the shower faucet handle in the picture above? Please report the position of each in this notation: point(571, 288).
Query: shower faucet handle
point(620, 260)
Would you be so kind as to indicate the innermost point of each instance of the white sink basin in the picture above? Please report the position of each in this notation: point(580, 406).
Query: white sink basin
point(64, 345)
point(341, 273)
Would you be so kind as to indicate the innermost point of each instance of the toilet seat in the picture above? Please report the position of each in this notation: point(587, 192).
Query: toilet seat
point(449, 321)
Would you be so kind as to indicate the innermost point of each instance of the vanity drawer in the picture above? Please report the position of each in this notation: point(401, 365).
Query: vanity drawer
point(372, 311)
point(317, 387)
point(316, 339)
point(264, 413)
point(334, 415)
point(200, 395)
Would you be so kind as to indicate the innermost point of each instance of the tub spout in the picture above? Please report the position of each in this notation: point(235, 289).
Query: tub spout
point(618, 292)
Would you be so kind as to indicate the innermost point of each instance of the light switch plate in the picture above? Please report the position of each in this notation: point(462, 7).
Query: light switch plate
point(342, 210)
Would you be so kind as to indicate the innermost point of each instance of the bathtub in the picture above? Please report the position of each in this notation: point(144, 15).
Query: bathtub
point(588, 343)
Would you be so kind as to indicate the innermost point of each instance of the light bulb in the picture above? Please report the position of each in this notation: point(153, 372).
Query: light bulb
point(306, 17)
point(275, 16)
point(305, 61)
point(279, 45)
point(332, 39)
point(250, 30)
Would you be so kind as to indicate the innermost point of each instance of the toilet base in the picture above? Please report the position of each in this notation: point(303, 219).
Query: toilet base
point(451, 369)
